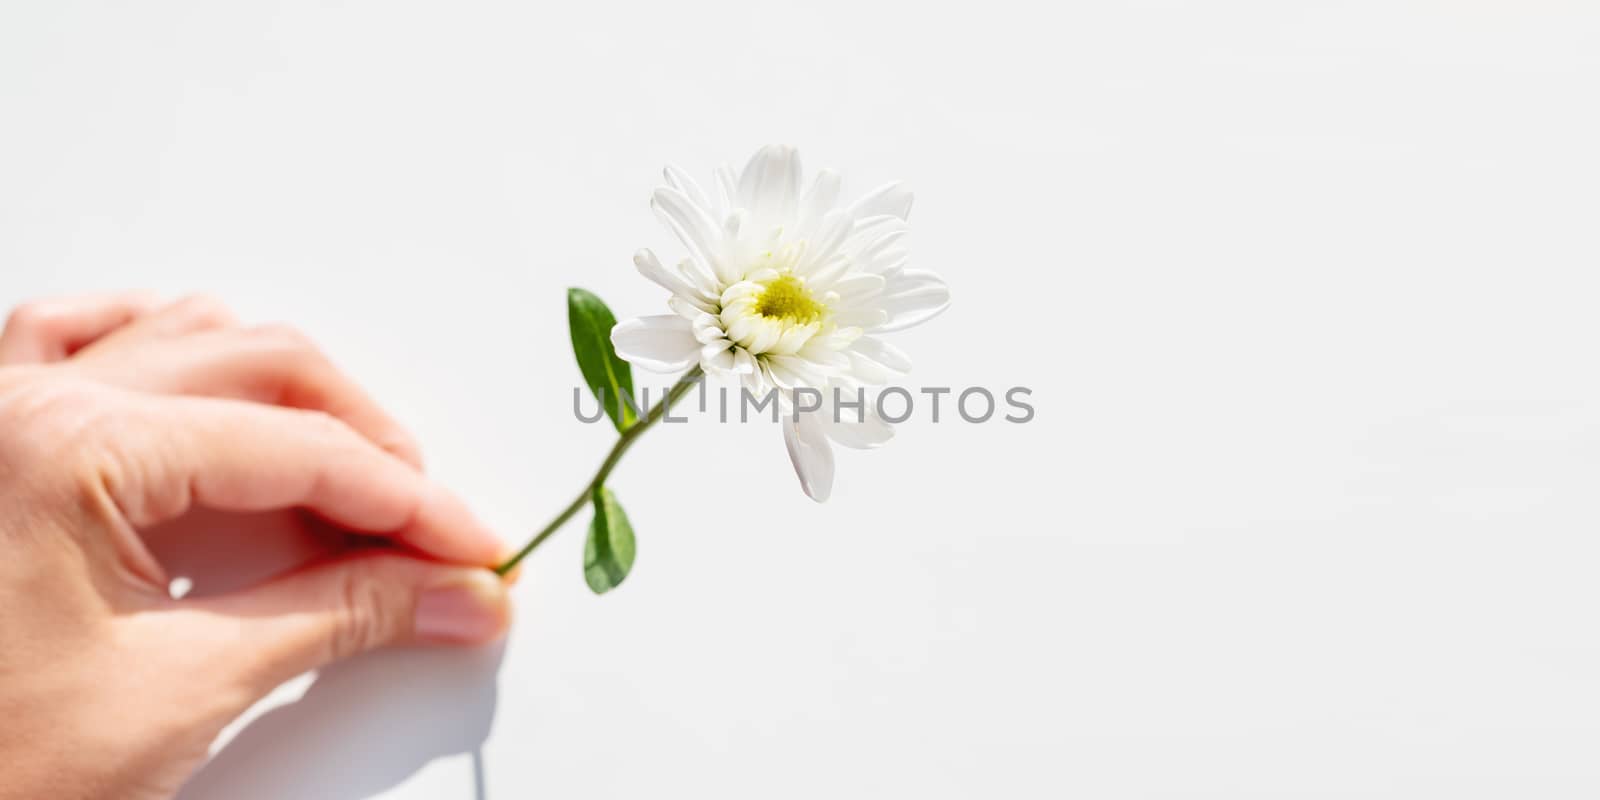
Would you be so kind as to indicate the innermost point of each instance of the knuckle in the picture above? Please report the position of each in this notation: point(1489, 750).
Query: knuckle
point(41, 419)
point(281, 334)
point(204, 308)
point(30, 316)
point(366, 618)
point(289, 343)
point(44, 405)
point(323, 425)
point(403, 446)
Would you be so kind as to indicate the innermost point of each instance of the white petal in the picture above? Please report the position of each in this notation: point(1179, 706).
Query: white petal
point(870, 229)
point(912, 280)
point(659, 344)
point(727, 188)
point(797, 371)
point(708, 329)
point(818, 200)
point(912, 298)
point(755, 380)
point(743, 362)
point(651, 268)
point(857, 287)
point(689, 308)
point(842, 337)
point(812, 455)
point(733, 223)
point(718, 355)
point(764, 336)
point(820, 351)
point(824, 276)
point(695, 228)
point(869, 318)
point(743, 328)
point(680, 180)
point(891, 198)
point(793, 339)
point(872, 251)
point(742, 307)
point(770, 183)
point(835, 227)
point(860, 430)
point(740, 290)
point(866, 370)
point(914, 308)
point(699, 277)
point(890, 262)
point(780, 375)
point(883, 353)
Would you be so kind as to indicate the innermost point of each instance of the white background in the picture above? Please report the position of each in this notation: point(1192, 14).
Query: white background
point(1305, 293)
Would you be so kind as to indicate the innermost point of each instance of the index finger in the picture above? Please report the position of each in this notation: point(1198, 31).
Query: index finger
point(231, 455)
point(271, 364)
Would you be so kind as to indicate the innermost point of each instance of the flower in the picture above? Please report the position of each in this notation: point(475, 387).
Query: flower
point(786, 289)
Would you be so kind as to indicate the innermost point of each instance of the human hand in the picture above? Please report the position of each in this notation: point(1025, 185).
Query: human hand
point(119, 414)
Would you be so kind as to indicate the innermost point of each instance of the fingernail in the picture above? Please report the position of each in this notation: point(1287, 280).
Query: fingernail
point(467, 609)
point(511, 578)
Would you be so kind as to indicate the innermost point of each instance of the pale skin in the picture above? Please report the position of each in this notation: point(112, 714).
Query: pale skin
point(123, 412)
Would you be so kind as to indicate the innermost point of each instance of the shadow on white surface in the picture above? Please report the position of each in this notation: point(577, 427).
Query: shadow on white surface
point(363, 727)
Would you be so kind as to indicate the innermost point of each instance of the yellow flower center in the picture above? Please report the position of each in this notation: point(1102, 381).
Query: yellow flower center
point(788, 299)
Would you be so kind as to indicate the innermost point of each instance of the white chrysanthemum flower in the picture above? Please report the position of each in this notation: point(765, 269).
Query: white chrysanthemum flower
point(786, 289)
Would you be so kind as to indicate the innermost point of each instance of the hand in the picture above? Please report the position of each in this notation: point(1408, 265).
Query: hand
point(119, 414)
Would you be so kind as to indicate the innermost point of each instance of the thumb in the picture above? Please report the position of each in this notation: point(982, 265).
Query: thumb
point(338, 609)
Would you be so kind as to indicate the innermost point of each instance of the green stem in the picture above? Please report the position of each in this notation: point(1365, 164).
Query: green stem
point(624, 441)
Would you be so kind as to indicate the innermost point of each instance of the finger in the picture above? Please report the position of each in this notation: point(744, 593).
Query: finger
point(191, 314)
point(183, 452)
point(272, 364)
point(338, 609)
point(51, 330)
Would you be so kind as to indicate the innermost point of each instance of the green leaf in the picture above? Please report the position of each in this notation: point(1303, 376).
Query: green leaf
point(608, 556)
point(608, 377)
